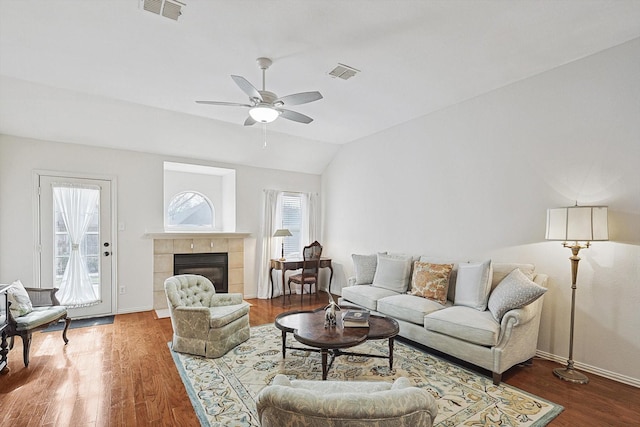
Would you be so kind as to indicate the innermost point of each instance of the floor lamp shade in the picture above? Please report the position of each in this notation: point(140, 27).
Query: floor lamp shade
point(578, 224)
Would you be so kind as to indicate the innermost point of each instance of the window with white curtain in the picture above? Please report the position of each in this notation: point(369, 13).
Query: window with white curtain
point(291, 214)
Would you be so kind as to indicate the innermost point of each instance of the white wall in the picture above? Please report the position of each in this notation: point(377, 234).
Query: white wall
point(474, 181)
point(140, 207)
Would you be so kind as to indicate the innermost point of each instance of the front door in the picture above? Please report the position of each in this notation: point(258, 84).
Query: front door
point(76, 243)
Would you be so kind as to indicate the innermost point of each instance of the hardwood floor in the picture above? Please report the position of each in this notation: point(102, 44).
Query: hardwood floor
point(123, 375)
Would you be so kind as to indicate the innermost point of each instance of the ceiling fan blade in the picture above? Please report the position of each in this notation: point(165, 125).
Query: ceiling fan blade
point(247, 87)
point(299, 98)
point(296, 117)
point(228, 104)
point(249, 121)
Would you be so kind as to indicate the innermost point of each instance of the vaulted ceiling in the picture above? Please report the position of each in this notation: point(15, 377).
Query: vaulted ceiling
point(77, 70)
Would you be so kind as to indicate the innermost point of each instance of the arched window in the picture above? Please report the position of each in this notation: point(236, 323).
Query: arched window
point(190, 209)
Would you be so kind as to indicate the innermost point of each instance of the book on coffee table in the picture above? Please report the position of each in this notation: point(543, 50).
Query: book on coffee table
point(356, 319)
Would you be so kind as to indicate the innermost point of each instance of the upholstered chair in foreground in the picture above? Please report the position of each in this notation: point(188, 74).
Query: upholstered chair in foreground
point(205, 323)
point(344, 404)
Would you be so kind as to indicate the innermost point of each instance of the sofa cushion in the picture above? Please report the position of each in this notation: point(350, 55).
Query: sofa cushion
point(393, 272)
point(366, 296)
point(465, 323)
point(515, 291)
point(39, 316)
point(473, 285)
point(364, 267)
point(409, 308)
point(225, 314)
point(19, 299)
point(431, 281)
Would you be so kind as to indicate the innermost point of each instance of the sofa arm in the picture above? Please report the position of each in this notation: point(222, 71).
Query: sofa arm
point(517, 318)
point(351, 281)
point(191, 322)
point(219, 300)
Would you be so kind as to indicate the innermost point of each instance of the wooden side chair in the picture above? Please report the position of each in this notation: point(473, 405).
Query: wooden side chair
point(309, 274)
point(45, 310)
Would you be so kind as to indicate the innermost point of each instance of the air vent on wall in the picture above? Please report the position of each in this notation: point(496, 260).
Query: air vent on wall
point(343, 72)
point(168, 8)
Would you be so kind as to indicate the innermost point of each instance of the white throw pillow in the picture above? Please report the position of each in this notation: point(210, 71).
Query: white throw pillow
point(393, 272)
point(514, 291)
point(364, 267)
point(473, 285)
point(19, 299)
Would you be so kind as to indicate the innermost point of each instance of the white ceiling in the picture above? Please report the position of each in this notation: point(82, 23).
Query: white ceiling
point(416, 57)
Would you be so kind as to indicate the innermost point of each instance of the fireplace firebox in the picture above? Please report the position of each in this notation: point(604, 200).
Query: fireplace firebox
point(213, 266)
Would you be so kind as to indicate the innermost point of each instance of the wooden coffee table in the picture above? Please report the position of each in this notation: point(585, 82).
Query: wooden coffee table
point(308, 328)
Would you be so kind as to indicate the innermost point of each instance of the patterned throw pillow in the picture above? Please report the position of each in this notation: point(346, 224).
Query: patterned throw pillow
point(515, 291)
point(364, 267)
point(19, 299)
point(431, 281)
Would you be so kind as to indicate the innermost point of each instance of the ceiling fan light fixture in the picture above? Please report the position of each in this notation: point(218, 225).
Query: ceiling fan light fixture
point(263, 114)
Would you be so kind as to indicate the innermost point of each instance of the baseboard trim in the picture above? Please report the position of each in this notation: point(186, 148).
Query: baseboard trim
point(135, 310)
point(591, 369)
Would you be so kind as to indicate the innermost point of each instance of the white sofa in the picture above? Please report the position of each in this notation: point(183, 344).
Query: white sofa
point(479, 325)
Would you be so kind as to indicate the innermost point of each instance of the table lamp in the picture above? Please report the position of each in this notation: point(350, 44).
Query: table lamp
point(282, 232)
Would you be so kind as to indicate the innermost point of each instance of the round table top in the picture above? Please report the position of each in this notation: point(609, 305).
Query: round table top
point(308, 328)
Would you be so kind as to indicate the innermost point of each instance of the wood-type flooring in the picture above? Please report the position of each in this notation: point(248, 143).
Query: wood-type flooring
point(123, 375)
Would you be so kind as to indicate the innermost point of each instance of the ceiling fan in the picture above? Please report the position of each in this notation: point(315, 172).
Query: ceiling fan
point(265, 106)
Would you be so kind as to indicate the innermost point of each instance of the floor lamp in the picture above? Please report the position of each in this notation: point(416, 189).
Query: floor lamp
point(580, 225)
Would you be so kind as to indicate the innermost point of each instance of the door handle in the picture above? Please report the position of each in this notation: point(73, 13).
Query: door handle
point(107, 253)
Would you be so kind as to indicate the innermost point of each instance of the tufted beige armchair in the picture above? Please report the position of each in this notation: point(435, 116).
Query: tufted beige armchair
point(305, 403)
point(205, 323)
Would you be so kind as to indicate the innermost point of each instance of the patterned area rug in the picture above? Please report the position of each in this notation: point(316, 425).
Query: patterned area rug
point(223, 390)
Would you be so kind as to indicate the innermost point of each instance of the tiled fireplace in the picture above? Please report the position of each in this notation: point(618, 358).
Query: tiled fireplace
point(166, 245)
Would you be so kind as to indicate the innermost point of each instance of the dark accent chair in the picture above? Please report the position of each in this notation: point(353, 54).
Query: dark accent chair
point(46, 311)
point(310, 265)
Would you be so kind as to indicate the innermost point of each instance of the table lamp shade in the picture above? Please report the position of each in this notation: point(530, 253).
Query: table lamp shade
point(282, 232)
point(577, 223)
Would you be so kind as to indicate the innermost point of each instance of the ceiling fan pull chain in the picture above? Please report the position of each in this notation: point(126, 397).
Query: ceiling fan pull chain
point(264, 134)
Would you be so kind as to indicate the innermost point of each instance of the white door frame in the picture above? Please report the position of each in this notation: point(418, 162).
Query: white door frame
point(37, 246)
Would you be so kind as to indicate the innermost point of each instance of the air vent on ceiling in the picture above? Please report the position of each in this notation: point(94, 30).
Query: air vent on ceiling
point(168, 8)
point(343, 72)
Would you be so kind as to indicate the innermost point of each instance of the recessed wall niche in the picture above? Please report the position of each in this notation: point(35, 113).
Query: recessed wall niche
point(218, 185)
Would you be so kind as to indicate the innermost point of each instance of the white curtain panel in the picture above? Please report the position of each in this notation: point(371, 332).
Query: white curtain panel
point(76, 204)
point(267, 246)
point(311, 218)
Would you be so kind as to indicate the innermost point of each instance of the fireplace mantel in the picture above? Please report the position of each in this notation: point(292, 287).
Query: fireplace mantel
point(195, 235)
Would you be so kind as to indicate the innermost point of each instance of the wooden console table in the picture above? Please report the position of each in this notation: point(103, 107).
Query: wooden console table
point(295, 264)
